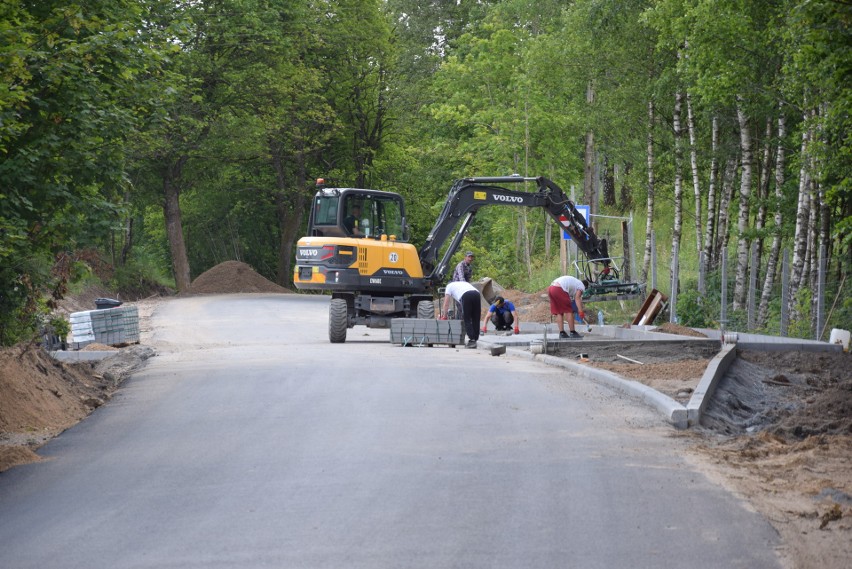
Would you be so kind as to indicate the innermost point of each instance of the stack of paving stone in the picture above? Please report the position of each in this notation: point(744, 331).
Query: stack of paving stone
point(109, 326)
point(426, 332)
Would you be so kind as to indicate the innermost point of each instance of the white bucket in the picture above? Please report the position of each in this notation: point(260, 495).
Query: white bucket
point(536, 346)
point(839, 336)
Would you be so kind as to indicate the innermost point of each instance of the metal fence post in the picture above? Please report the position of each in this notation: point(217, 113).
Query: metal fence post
point(633, 270)
point(653, 260)
point(723, 312)
point(673, 298)
point(752, 286)
point(820, 299)
point(785, 292)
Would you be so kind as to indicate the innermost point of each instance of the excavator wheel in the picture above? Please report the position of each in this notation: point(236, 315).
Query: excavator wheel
point(426, 310)
point(338, 320)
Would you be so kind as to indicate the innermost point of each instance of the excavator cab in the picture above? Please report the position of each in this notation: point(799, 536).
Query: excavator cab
point(359, 213)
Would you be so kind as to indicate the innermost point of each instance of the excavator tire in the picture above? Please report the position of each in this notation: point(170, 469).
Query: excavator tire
point(426, 310)
point(338, 320)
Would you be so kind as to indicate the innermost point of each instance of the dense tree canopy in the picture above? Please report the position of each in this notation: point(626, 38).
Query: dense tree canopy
point(170, 136)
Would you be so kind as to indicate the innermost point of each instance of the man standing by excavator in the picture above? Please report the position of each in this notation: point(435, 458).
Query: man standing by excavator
point(464, 272)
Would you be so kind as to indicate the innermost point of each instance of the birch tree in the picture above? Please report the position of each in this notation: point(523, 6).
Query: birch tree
point(712, 208)
point(800, 238)
point(722, 233)
point(777, 236)
point(763, 187)
point(740, 284)
point(677, 228)
point(693, 161)
point(649, 212)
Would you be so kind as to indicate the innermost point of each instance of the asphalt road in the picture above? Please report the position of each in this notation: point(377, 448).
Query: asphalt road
point(250, 441)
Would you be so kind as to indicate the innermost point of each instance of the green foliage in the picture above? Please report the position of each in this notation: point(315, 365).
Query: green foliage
point(841, 317)
point(139, 276)
point(693, 309)
point(802, 327)
point(59, 326)
point(77, 81)
point(22, 307)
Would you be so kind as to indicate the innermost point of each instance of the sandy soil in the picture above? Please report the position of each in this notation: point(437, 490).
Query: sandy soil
point(779, 432)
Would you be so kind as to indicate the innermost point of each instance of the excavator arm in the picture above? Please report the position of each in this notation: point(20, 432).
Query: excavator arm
point(468, 195)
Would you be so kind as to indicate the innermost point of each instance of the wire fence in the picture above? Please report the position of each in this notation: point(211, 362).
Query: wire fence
point(775, 313)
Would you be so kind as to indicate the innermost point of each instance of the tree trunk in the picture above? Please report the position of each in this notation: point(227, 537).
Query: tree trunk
point(823, 230)
point(649, 222)
point(174, 229)
point(368, 118)
point(741, 281)
point(677, 229)
point(775, 249)
point(763, 188)
point(815, 219)
point(548, 235)
point(800, 239)
point(712, 211)
point(626, 190)
point(127, 245)
point(290, 205)
point(609, 182)
point(696, 183)
point(722, 233)
point(589, 159)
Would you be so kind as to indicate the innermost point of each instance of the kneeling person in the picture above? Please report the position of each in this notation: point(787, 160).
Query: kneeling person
point(503, 314)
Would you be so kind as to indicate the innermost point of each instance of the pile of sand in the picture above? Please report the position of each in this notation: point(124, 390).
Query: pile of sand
point(678, 330)
point(233, 277)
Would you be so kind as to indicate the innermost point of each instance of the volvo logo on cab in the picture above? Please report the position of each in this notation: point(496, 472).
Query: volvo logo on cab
point(509, 199)
point(309, 252)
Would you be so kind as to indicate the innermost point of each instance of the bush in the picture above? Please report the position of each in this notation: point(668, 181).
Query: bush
point(23, 286)
point(139, 277)
point(693, 309)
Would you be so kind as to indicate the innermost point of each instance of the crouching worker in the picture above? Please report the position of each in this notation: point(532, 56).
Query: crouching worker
point(502, 314)
point(566, 297)
point(468, 297)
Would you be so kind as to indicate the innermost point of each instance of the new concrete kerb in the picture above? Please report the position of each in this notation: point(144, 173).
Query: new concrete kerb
point(680, 416)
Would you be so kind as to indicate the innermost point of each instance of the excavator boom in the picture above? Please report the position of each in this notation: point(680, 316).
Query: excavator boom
point(468, 195)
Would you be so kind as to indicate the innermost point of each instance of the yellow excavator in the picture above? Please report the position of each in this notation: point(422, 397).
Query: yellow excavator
point(357, 248)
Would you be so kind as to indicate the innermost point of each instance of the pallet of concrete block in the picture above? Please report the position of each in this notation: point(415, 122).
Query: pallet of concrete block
point(110, 326)
point(425, 332)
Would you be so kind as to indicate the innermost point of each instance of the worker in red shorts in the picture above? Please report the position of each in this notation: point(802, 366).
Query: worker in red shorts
point(566, 297)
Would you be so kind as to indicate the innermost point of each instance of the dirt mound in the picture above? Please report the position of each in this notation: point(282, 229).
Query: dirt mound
point(232, 277)
point(38, 391)
point(40, 397)
point(792, 394)
point(532, 307)
point(780, 426)
point(678, 330)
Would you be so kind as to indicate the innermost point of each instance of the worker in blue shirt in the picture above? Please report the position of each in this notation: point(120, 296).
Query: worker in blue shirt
point(502, 314)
